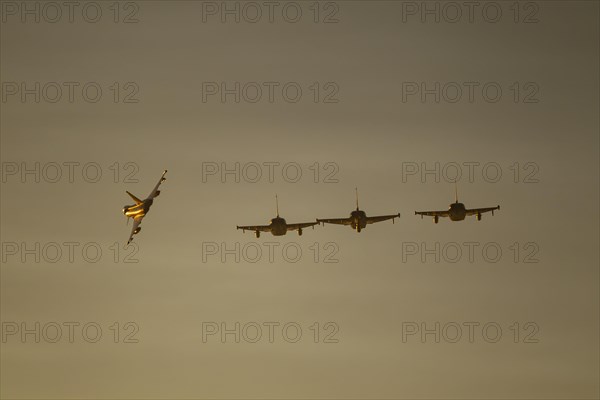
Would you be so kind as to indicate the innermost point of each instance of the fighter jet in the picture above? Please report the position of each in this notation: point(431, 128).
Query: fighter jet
point(457, 211)
point(141, 207)
point(358, 219)
point(277, 226)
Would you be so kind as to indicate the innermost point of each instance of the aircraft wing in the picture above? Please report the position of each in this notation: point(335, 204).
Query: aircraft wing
point(155, 191)
point(256, 228)
point(295, 227)
point(337, 221)
point(476, 211)
point(372, 220)
point(136, 223)
point(433, 213)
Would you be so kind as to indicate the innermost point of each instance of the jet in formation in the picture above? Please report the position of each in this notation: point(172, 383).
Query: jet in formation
point(139, 210)
point(358, 219)
point(277, 226)
point(457, 211)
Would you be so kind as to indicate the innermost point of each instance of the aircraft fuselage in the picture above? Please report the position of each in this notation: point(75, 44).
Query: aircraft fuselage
point(359, 220)
point(278, 226)
point(457, 212)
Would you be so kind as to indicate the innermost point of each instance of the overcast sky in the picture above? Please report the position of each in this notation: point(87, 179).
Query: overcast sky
point(375, 95)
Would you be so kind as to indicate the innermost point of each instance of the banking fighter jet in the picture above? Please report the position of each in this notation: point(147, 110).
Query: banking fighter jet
point(139, 210)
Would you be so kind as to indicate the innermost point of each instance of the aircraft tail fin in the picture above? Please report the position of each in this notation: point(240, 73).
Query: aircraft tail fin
point(356, 190)
point(137, 201)
point(455, 192)
point(277, 205)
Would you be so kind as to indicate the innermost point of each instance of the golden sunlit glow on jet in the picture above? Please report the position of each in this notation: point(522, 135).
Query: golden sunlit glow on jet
point(139, 210)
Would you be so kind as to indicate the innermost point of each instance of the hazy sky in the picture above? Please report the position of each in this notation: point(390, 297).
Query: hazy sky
point(371, 95)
